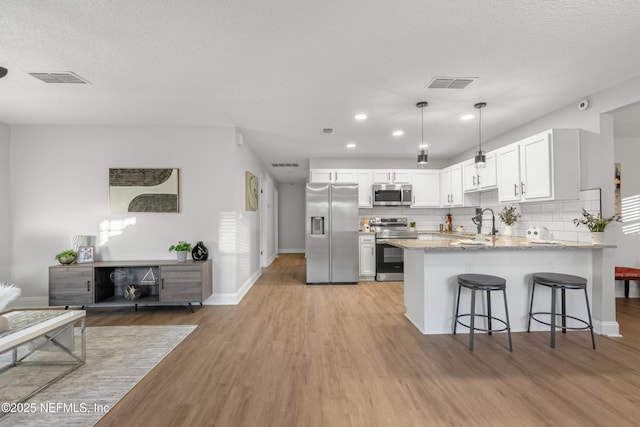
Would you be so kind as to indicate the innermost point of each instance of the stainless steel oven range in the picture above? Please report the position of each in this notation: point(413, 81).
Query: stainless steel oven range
point(389, 259)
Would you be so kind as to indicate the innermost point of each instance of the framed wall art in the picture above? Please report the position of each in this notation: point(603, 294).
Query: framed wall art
point(85, 254)
point(144, 190)
point(251, 191)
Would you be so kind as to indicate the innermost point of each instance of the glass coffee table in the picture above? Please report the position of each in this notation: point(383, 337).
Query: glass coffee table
point(38, 338)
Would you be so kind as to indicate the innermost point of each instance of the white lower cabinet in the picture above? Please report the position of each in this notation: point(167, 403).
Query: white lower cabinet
point(367, 256)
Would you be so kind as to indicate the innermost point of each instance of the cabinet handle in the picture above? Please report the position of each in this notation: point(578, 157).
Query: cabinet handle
point(515, 189)
point(474, 180)
point(162, 282)
point(88, 285)
point(372, 251)
point(369, 199)
point(478, 180)
point(414, 200)
point(335, 176)
point(394, 175)
point(522, 187)
point(452, 198)
point(388, 176)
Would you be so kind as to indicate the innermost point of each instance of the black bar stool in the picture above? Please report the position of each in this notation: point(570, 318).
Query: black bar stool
point(563, 282)
point(482, 282)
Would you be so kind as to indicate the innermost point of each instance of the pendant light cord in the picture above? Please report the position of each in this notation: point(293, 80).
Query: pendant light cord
point(480, 129)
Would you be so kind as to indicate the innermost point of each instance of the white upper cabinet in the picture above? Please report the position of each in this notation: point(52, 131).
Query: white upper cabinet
point(426, 188)
point(479, 179)
point(362, 177)
point(542, 167)
point(397, 176)
point(333, 175)
point(365, 199)
point(451, 186)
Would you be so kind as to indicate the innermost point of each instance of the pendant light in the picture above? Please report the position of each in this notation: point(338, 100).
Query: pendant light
point(423, 153)
point(480, 157)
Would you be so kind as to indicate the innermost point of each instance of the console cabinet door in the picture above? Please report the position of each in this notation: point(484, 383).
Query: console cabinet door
point(70, 285)
point(181, 283)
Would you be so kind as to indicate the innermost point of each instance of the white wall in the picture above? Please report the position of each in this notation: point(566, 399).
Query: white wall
point(5, 197)
point(291, 218)
point(627, 236)
point(59, 188)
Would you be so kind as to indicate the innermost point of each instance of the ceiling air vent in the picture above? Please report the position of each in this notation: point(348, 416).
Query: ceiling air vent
point(328, 131)
point(284, 165)
point(60, 77)
point(451, 82)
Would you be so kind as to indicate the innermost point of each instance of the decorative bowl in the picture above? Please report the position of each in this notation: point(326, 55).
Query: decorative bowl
point(66, 259)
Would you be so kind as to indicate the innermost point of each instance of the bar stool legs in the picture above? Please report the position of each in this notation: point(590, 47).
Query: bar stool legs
point(482, 282)
point(564, 282)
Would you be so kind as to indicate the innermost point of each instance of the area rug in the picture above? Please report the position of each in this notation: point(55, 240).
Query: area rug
point(118, 357)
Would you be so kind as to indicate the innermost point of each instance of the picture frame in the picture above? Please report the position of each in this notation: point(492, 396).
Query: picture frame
point(252, 191)
point(144, 190)
point(85, 254)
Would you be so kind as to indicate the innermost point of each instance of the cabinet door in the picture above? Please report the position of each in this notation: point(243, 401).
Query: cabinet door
point(381, 176)
point(469, 176)
point(456, 185)
point(321, 175)
point(70, 286)
point(426, 188)
point(346, 176)
point(488, 175)
point(401, 176)
point(181, 283)
point(509, 173)
point(535, 160)
point(367, 256)
point(445, 187)
point(364, 189)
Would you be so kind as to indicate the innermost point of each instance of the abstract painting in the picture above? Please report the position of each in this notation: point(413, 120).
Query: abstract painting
point(143, 190)
point(251, 190)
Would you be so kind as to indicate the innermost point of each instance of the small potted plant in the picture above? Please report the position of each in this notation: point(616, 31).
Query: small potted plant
point(509, 216)
point(595, 224)
point(67, 257)
point(181, 248)
point(412, 225)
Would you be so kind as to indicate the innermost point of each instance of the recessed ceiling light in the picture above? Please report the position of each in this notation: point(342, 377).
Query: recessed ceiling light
point(361, 116)
point(351, 145)
point(467, 117)
point(423, 146)
point(398, 132)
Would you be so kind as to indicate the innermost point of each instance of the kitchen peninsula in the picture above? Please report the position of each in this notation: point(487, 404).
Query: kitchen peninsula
point(431, 268)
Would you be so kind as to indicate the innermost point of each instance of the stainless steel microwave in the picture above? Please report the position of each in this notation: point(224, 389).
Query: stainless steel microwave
point(392, 195)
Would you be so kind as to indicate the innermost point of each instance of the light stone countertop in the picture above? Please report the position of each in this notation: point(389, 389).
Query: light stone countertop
point(497, 243)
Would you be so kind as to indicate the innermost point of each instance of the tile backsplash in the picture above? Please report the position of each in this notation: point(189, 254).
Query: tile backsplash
point(555, 216)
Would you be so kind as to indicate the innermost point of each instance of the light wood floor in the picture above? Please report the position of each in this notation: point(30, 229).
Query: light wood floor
point(344, 355)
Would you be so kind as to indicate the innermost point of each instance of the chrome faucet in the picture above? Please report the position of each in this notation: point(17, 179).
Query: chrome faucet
point(477, 220)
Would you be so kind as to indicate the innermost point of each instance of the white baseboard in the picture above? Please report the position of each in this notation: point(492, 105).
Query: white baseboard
point(609, 328)
point(291, 251)
point(234, 298)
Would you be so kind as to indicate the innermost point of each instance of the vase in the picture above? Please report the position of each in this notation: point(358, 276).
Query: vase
point(597, 237)
point(182, 256)
point(4, 324)
point(200, 252)
point(508, 230)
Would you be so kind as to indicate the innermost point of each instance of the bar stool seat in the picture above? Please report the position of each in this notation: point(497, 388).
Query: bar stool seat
point(563, 282)
point(488, 283)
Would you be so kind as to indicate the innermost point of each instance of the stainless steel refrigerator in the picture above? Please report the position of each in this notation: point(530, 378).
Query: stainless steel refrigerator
point(332, 233)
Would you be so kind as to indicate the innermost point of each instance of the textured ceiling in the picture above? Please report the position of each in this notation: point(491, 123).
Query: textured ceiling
point(281, 70)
